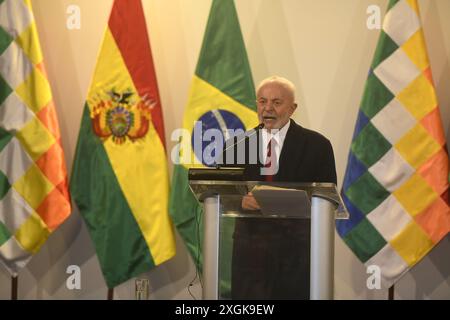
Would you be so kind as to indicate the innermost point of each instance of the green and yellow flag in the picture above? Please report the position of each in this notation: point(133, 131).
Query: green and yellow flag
point(222, 96)
point(120, 178)
point(34, 198)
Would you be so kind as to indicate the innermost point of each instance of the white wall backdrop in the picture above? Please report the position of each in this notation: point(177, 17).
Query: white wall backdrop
point(323, 46)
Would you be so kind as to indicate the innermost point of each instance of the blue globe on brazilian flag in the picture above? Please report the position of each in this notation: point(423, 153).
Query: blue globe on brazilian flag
point(219, 121)
point(210, 108)
point(222, 96)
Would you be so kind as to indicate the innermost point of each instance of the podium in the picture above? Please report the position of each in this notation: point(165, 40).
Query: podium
point(221, 193)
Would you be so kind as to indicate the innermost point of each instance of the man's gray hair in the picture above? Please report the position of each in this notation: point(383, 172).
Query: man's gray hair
point(280, 80)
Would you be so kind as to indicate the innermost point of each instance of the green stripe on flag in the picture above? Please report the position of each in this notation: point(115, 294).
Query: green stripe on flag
point(386, 46)
point(226, 255)
point(92, 183)
point(376, 96)
point(223, 42)
point(4, 234)
point(5, 137)
point(4, 185)
point(186, 214)
point(5, 90)
point(370, 145)
point(365, 185)
point(364, 240)
point(5, 40)
point(391, 4)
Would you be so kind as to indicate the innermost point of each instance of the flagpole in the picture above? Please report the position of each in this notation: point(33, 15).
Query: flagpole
point(110, 294)
point(391, 293)
point(14, 285)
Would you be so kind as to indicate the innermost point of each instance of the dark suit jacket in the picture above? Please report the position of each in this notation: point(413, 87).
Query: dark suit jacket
point(306, 156)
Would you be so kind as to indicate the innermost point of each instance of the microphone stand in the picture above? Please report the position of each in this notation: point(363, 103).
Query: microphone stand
point(246, 136)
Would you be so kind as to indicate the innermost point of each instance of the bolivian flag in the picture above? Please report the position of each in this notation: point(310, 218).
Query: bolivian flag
point(120, 178)
point(222, 96)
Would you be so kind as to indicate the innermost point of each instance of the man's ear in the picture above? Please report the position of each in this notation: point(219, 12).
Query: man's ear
point(294, 107)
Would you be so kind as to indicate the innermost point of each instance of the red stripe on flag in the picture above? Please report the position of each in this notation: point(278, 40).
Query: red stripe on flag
point(127, 25)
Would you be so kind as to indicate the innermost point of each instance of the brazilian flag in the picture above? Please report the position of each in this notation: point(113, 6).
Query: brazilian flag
point(222, 96)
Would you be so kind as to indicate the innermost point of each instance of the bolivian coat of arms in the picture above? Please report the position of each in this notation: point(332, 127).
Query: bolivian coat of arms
point(121, 117)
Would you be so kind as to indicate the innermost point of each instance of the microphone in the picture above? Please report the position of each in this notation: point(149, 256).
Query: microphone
point(255, 130)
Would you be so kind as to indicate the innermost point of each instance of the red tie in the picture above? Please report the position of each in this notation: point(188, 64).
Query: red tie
point(271, 160)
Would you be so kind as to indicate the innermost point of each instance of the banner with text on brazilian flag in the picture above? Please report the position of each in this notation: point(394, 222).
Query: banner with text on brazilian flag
point(120, 178)
point(222, 96)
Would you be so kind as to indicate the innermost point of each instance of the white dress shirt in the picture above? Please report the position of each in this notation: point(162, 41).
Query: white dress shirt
point(278, 136)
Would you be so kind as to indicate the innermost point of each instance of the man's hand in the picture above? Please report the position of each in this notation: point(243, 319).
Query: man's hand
point(249, 202)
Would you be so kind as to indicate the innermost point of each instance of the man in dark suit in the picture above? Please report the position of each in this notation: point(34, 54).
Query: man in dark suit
point(271, 256)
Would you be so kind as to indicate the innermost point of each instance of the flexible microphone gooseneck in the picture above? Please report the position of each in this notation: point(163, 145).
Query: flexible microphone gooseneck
point(255, 130)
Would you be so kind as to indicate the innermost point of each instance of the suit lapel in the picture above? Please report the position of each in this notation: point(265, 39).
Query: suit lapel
point(290, 153)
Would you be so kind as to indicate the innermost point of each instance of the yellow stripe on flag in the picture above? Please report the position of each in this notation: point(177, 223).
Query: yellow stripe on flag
point(28, 41)
point(35, 91)
point(419, 97)
point(136, 164)
point(417, 146)
point(414, 49)
point(35, 138)
point(413, 4)
point(28, 4)
point(412, 243)
point(33, 186)
point(415, 195)
point(32, 233)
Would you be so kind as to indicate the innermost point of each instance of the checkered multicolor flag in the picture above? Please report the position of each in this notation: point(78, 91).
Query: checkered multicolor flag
point(396, 182)
point(33, 180)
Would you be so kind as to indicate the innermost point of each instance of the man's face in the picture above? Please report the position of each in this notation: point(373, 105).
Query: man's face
point(275, 105)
